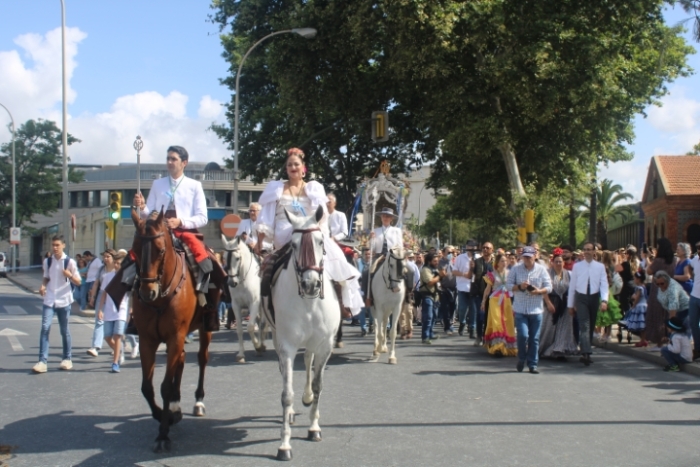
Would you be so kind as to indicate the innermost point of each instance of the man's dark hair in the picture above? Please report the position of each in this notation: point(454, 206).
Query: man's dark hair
point(365, 249)
point(591, 244)
point(180, 151)
point(58, 238)
point(87, 253)
point(429, 258)
point(567, 247)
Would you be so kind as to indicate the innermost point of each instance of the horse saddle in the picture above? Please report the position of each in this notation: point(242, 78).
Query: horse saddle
point(272, 267)
point(201, 279)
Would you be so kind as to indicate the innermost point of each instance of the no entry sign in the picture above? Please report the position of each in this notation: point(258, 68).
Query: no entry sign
point(229, 225)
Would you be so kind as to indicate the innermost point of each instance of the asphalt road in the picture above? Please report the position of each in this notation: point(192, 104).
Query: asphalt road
point(448, 404)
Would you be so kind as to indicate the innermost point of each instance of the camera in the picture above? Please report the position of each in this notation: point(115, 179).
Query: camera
point(530, 288)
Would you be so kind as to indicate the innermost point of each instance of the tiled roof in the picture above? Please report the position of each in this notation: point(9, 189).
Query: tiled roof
point(680, 174)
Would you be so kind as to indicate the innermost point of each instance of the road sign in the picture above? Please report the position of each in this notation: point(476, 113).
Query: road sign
point(15, 235)
point(229, 225)
point(11, 335)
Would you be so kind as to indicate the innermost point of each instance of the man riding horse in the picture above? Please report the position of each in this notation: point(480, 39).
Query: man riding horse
point(185, 211)
point(384, 238)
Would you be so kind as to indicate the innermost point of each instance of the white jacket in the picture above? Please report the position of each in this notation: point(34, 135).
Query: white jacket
point(190, 202)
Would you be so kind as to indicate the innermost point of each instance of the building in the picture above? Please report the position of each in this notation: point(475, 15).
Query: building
point(671, 200)
point(88, 202)
point(629, 231)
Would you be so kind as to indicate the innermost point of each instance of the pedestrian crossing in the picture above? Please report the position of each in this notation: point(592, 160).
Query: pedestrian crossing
point(15, 310)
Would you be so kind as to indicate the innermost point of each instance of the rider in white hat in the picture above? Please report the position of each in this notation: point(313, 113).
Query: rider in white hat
point(386, 237)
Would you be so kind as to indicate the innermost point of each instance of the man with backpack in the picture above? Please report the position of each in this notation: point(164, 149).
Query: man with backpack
point(60, 271)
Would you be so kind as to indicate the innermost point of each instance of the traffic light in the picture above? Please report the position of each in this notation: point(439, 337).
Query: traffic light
point(530, 221)
point(380, 126)
point(522, 235)
point(115, 205)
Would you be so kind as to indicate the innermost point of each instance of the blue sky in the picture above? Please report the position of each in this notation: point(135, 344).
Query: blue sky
point(153, 68)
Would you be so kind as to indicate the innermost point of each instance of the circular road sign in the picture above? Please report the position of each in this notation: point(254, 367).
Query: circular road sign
point(229, 225)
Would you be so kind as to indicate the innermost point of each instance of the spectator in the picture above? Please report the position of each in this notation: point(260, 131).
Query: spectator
point(430, 275)
point(60, 272)
point(567, 256)
point(682, 273)
point(448, 290)
point(94, 266)
point(529, 281)
point(466, 303)
point(671, 296)
point(635, 318)
point(557, 331)
point(482, 266)
point(499, 337)
point(107, 262)
point(664, 260)
point(694, 306)
point(337, 222)
point(364, 266)
point(677, 347)
point(79, 293)
point(113, 317)
point(411, 275)
point(611, 315)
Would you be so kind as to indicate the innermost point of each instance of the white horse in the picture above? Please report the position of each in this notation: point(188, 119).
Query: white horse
point(243, 272)
point(307, 314)
point(388, 293)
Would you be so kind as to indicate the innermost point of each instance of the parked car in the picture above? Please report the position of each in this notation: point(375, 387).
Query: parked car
point(3, 264)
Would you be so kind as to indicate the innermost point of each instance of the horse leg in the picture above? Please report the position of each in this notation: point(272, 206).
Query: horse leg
point(286, 362)
point(175, 410)
point(175, 350)
point(385, 322)
point(238, 313)
point(308, 397)
point(202, 359)
point(394, 325)
point(339, 336)
point(377, 337)
point(148, 363)
point(314, 433)
point(254, 309)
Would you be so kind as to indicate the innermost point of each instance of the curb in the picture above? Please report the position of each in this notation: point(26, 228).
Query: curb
point(651, 357)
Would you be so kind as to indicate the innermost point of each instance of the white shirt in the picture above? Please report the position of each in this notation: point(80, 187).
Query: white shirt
point(58, 290)
point(392, 235)
point(93, 269)
point(416, 272)
point(695, 264)
point(190, 202)
point(247, 226)
point(338, 224)
point(585, 273)
point(462, 264)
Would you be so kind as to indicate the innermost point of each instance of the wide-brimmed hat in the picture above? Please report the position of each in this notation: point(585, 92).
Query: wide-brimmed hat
point(386, 212)
point(675, 323)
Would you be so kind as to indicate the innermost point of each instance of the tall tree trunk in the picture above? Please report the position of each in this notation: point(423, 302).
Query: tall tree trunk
point(602, 234)
point(516, 184)
point(572, 220)
point(593, 220)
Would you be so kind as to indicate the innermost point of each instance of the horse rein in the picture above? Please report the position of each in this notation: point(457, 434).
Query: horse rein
point(392, 281)
point(304, 244)
point(229, 255)
point(146, 260)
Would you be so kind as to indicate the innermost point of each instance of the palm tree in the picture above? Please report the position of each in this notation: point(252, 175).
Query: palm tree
point(607, 207)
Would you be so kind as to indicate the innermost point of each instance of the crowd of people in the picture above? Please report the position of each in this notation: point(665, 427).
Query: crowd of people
point(522, 302)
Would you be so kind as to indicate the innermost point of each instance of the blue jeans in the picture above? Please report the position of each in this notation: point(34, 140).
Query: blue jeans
point(85, 291)
point(364, 313)
point(428, 317)
point(98, 332)
point(223, 306)
point(672, 358)
point(467, 308)
point(63, 315)
point(694, 321)
point(528, 328)
point(447, 309)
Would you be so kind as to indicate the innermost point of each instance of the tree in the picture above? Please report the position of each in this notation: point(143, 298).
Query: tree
point(38, 173)
point(500, 94)
point(608, 197)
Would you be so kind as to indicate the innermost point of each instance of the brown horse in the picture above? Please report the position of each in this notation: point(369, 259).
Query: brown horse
point(166, 309)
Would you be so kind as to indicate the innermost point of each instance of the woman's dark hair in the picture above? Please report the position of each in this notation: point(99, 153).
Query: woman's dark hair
point(180, 151)
point(664, 250)
point(429, 258)
point(641, 275)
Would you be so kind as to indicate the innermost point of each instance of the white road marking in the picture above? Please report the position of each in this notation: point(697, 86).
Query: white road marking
point(11, 335)
point(14, 310)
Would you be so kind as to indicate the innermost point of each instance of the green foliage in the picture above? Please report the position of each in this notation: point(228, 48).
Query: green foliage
point(467, 83)
point(609, 198)
point(38, 174)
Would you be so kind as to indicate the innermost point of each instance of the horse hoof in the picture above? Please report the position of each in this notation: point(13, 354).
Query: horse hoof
point(162, 446)
point(393, 361)
point(240, 359)
point(339, 345)
point(307, 404)
point(284, 454)
point(199, 410)
point(314, 436)
point(175, 417)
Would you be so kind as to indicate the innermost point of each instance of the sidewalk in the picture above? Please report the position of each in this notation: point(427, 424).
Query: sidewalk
point(642, 353)
point(30, 280)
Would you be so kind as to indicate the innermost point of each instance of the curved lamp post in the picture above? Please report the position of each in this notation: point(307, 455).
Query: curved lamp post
point(306, 33)
point(14, 201)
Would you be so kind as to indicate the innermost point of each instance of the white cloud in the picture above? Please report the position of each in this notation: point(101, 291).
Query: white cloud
point(679, 119)
point(30, 86)
point(631, 175)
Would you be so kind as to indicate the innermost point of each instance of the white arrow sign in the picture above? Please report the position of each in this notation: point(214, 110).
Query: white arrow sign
point(11, 335)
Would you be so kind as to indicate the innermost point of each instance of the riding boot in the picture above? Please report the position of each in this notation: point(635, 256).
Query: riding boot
point(345, 313)
point(210, 316)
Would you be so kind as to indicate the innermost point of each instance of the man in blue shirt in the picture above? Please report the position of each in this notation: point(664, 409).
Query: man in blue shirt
point(529, 281)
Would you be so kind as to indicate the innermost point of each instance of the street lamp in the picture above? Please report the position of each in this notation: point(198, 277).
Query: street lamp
point(66, 204)
point(14, 201)
point(306, 33)
point(420, 194)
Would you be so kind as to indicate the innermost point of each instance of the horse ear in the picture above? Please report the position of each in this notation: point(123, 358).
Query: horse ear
point(319, 213)
point(290, 217)
point(159, 219)
point(224, 240)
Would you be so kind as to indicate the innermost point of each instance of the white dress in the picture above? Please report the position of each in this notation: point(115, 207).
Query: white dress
point(273, 223)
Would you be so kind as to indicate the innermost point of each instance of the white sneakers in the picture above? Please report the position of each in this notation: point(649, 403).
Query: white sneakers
point(66, 365)
point(121, 357)
point(40, 367)
point(135, 351)
point(92, 351)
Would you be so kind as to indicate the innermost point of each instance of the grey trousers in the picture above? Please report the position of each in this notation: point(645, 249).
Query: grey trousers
point(586, 311)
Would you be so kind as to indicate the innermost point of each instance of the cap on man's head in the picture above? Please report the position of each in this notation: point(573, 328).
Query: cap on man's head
point(529, 251)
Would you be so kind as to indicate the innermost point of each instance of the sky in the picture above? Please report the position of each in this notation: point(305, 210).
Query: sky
point(152, 68)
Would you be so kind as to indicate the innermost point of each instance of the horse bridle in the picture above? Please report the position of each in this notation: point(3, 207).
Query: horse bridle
point(301, 269)
point(391, 280)
point(146, 260)
point(242, 277)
